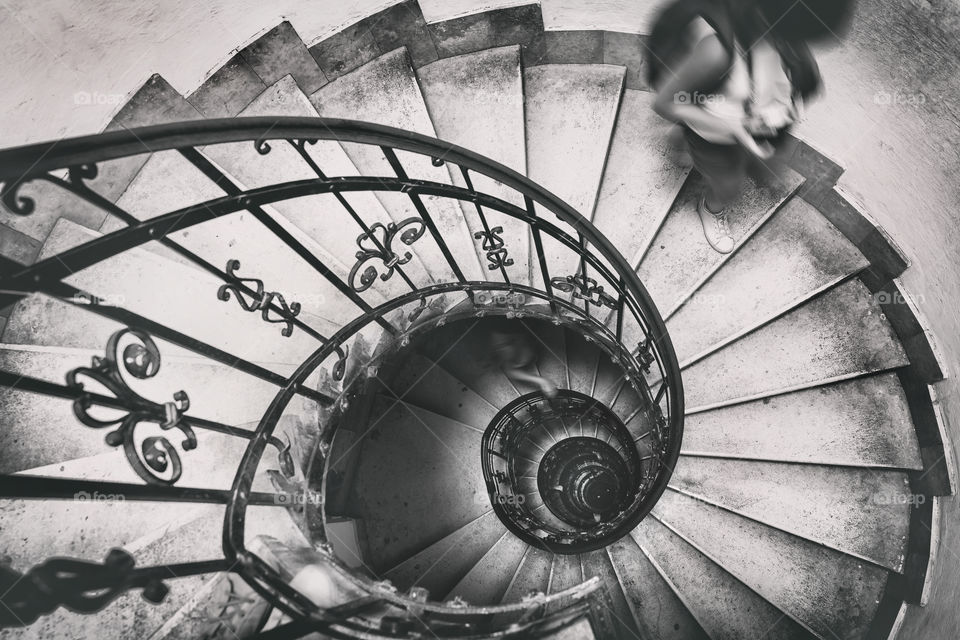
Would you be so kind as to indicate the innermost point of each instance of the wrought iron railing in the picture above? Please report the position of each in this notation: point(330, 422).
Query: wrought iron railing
point(534, 253)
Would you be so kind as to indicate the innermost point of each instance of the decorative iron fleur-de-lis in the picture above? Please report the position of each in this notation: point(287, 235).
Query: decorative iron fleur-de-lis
point(260, 301)
point(381, 237)
point(584, 288)
point(65, 582)
point(155, 459)
point(493, 244)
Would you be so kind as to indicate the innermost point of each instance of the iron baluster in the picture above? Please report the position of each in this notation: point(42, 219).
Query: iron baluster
point(542, 259)
point(221, 180)
point(491, 242)
point(397, 167)
point(259, 301)
point(408, 231)
point(300, 147)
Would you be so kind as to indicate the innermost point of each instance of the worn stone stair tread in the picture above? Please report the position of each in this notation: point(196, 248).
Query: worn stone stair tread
point(582, 361)
point(679, 257)
point(321, 217)
point(798, 253)
point(839, 334)
point(215, 391)
point(860, 512)
point(832, 594)
point(420, 382)
point(130, 613)
point(641, 180)
point(487, 581)
point(281, 51)
point(658, 611)
point(531, 576)
point(406, 451)
point(476, 102)
point(861, 422)
point(598, 564)
point(440, 566)
point(570, 114)
point(722, 605)
point(385, 91)
point(169, 182)
point(567, 572)
point(132, 280)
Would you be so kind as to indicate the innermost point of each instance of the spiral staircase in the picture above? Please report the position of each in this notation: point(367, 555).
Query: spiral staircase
point(247, 388)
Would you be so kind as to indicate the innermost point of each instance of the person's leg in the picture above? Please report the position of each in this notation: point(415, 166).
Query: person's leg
point(723, 167)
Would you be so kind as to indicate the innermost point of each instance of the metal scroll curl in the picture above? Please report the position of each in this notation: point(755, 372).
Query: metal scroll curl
point(155, 459)
point(584, 288)
point(382, 238)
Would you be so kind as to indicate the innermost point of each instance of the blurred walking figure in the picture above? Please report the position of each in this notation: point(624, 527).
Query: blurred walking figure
point(516, 356)
point(735, 75)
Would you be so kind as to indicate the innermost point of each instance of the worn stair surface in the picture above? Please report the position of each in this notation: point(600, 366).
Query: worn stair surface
point(788, 514)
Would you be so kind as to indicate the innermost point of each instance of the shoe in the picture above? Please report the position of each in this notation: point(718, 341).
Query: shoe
point(715, 228)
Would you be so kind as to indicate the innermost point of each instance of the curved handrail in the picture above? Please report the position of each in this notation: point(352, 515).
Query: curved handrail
point(81, 156)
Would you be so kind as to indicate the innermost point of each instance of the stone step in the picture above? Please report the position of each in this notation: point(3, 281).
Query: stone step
point(641, 180)
point(168, 182)
point(216, 392)
point(531, 576)
point(796, 255)
point(570, 114)
point(618, 613)
point(476, 102)
point(863, 422)
point(679, 258)
point(421, 383)
point(657, 610)
point(156, 102)
point(321, 217)
point(861, 512)
point(722, 605)
point(488, 580)
point(566, 572)
point(134, 280)
point(280, 52)
point(463, 349)
point(385, 91)
point(439, 567)
point(837, 335)
point(403, 490)
point(832, 594)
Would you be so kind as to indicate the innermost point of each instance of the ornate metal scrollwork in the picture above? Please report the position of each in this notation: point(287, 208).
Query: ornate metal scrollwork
point(260, 301)
point(155, 459)
point(24, 206)
point(20, 205)
point(584, 288)
point(493, 244)
point(65, 582)
point(382, 237)
point(645, 356)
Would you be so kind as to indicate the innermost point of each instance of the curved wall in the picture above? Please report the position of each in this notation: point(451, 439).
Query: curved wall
point(891, 117)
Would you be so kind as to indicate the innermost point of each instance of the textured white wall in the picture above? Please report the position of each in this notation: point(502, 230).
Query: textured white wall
point(69, 64)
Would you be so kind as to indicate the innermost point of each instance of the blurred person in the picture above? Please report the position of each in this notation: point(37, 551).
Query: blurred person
point(515, 355)
point(734, 74)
